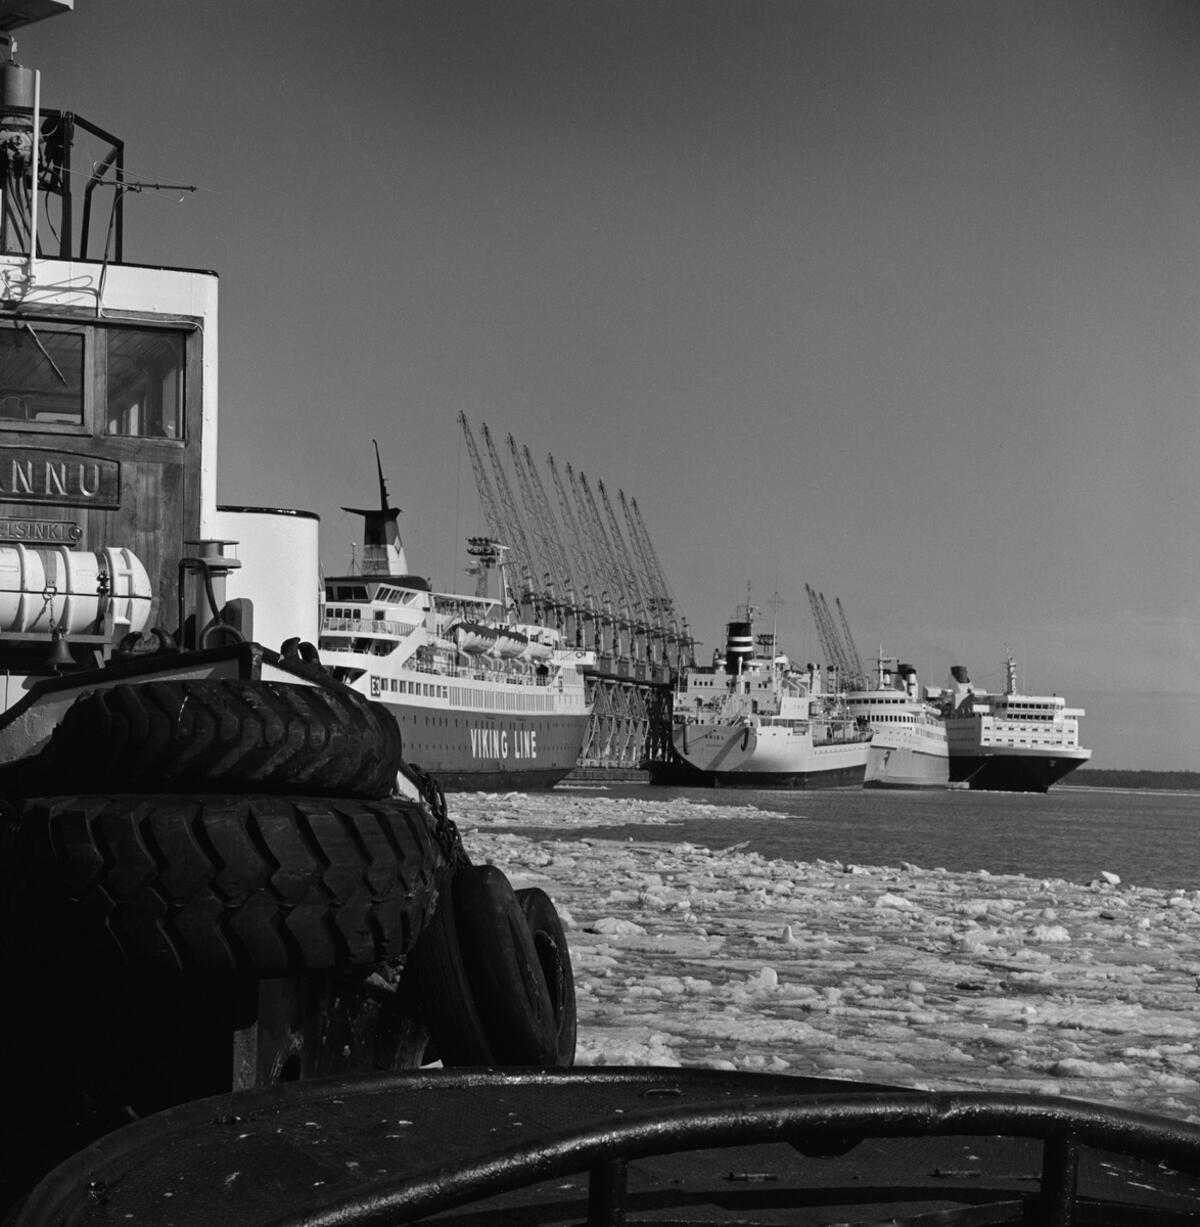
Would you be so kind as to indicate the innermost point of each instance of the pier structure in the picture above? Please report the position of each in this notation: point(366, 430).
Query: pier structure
point(596, 577)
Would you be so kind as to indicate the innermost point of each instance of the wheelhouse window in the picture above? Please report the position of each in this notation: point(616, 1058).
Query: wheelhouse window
point(92, 378)
point(41, 376)
point(144, 384)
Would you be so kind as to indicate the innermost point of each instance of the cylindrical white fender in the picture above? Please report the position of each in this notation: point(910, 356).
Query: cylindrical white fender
point(44, 588)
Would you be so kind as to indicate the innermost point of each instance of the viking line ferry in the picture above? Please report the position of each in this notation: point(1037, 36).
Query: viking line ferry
point(482, 701)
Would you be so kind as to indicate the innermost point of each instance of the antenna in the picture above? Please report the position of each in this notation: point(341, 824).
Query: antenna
point(775, 602)
point(383, 490)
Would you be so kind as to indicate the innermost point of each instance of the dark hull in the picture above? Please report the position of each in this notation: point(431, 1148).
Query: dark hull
point(501, 781)
point(684, 775)
point(482, 752)
point(904, 785)
point(1010, 772)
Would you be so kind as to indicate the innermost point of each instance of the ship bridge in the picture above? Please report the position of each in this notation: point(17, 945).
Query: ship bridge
point(108, 410)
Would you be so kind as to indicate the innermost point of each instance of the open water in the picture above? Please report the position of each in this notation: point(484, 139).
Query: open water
point(1146, 838)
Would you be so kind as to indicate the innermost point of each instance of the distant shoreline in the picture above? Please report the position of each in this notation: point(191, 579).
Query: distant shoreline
point(1162, 781)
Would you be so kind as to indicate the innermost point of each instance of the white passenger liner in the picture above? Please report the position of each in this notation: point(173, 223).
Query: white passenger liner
point(1009, 742)
point(910, 748)
point(482, 702)
point(959, 737)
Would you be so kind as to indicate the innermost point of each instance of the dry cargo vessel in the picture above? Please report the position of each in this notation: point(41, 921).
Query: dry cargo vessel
point(755, 721)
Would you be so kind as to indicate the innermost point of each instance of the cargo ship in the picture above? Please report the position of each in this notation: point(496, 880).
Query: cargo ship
point(483, 702)
point(1009, 742)
point(756, 721)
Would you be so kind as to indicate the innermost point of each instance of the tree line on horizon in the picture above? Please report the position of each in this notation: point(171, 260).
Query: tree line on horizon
point(1173, 781)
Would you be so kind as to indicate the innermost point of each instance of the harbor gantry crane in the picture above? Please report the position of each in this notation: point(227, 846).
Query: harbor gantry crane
point(560, 582)
point(564, 561)
point(840, 652)
point(623, 623)
point(489, 551)
point(844, 667)
point(657, 604)
point(603, 586)
point(656, 634)
point(859, 679)
point(532, 594)
point(600, 638)
point(826, 631)
point(685, 646)
point(636, 598)
point(852, 675)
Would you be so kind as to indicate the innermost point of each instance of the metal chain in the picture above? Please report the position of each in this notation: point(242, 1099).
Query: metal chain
point(445, 831)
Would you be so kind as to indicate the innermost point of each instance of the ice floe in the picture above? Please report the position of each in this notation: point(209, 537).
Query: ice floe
point(908, 975)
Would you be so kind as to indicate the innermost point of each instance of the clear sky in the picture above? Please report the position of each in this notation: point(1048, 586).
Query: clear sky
point(897, 299)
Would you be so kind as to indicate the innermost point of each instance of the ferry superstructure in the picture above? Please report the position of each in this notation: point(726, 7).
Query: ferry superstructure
point(755, 721)
point(482, 702)
point(910, 747)
point(1009, 742)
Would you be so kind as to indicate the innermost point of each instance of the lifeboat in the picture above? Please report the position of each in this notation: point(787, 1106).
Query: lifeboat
point(510, 644)
point(473, 639)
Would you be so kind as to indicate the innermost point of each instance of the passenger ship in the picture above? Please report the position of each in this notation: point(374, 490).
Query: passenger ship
point(1008, 742)
point(911, 747)
point(482, 703)
point(755, 721)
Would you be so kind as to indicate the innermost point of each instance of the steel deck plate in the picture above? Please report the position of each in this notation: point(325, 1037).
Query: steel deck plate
point(385, 1149)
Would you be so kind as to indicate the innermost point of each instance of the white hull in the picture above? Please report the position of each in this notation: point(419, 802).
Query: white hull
point(768, 755)
point(910, 748)
point(907, 760)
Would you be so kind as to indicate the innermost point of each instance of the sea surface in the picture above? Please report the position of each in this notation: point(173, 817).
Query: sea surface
point(1147, 838)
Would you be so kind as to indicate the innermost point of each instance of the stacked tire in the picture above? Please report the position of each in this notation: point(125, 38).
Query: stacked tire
point(252, 828)
point(225, 826)
point(493, 972)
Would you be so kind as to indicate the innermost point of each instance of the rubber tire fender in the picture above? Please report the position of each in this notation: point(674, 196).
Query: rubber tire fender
point(503, 969)
point(554, 955)
point(447, 998)
point(225, 735)
point(268, 885)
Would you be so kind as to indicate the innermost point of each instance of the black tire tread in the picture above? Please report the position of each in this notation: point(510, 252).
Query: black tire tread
point(554, 956)
point(225, 735)
point(267, 884)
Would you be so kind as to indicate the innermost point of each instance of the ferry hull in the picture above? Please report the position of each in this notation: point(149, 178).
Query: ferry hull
point(901, 766)
point(1024, 772)
point(478, 752)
